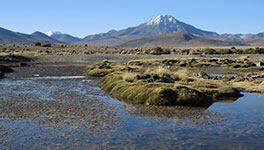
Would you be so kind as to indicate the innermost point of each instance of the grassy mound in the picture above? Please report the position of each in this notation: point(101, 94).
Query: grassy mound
point(99, 69)
point(230, 64)
point(157, 85)
point(152, 93)
point(249, 86)
point(103, 68)
point(216, 89)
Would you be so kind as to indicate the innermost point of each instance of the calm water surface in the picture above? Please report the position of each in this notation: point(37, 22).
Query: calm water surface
point(68, 111)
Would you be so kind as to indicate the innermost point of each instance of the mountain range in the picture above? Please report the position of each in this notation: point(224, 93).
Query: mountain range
point(65, 38)
point(162, 30)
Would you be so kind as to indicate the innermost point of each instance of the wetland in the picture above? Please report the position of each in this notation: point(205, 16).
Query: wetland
point(69, 111)
point(49, 105)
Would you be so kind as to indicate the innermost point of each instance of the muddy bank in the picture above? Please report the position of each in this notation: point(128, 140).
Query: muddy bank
point(46, 70)
point(14, 60)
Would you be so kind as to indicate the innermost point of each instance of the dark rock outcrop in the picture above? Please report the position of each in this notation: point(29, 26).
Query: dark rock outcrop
point(155, 78)
point(5, 69)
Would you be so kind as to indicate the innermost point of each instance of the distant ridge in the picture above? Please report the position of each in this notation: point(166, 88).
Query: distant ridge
point(257, 42)
point(179, 39)
point(7, 36)
point(10, 37)
point(160, 25)
point(64, 38)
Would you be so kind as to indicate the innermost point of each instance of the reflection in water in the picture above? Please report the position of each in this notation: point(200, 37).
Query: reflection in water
point(73, 113)
point(180, 115)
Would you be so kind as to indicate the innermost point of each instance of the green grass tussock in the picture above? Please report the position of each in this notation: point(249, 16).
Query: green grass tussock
point(216, 89)
point(152, 93)
point(163, 86)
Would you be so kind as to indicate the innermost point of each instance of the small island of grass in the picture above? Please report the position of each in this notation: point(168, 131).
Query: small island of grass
point(152, 82)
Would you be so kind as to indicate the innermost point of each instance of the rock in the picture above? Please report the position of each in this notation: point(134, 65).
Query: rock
point(123, 52)
point(5, 69)
point(217, 78)
point(149, 80)
point(1, 74)
point(183, 64)
point(143, 77)
point(73, 52)
point(237, 66)
point(166, 79)
point(138, 77)
point(104, 66)
point(86, 52)
point(204, 75)
point(156, 77)
point(226, 61)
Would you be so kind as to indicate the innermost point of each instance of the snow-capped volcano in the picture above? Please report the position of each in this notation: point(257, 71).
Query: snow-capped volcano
point(162, 19)
point(164, 24)
point(158, 25)
point(50, 33)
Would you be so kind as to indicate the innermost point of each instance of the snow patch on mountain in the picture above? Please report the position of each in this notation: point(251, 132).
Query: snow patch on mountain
point(50, 33)
point(162, 19)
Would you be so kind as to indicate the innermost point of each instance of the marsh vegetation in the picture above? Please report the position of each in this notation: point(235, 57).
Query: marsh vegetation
point(170, 82)
point(62, 49)
point(58, 107)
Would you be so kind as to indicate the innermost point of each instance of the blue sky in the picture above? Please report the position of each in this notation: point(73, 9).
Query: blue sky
point(85, 17)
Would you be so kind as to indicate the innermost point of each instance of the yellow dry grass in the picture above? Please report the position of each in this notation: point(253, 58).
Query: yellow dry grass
point(182, 74)
point(243, 58)
point(162, 71)
point(128, 76)
point(250, 86)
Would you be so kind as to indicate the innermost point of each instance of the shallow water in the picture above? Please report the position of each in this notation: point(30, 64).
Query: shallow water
point(71, 112)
